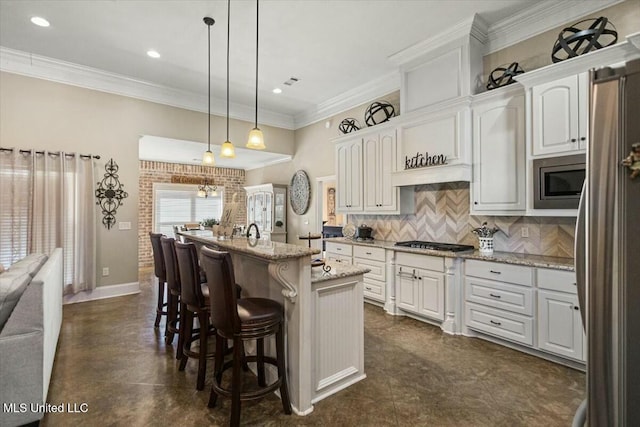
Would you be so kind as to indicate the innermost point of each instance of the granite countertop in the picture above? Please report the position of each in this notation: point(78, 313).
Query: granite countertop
point(264, 249)
point(337, 271)
point(557, 263)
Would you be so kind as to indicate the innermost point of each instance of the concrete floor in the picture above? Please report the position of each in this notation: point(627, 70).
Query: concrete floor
point(111, 358)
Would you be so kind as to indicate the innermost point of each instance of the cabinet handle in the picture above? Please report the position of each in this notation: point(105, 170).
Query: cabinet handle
point(495, 272)
point(574, 140)
point(367, 288)
point(495, 323)
point(368, 253)
point(495, 296)
point(338, 249)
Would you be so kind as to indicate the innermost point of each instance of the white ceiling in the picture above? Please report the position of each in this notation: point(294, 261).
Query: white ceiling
point(333, 46)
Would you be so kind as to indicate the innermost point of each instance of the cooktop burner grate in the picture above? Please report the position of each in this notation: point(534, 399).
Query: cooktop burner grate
point(436, 246)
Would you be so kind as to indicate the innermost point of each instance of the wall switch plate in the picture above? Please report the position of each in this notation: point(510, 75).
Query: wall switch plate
point(105, 271)
point(524, 232)
point(124, 225)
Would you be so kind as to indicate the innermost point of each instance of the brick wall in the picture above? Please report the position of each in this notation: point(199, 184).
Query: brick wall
point(150, 172)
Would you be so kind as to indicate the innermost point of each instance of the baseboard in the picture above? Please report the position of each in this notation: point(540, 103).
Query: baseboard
point(102, 292)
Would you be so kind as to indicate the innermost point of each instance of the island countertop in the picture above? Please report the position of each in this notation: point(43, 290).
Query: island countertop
point(265, 249)
point(337, 271)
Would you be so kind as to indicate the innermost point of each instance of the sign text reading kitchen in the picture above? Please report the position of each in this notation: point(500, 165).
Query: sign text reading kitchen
point(423, 160)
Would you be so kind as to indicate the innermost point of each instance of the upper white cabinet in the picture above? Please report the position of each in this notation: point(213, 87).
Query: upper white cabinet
point(499, 153)
point(560, 115)
point(267, 208)
point(380, 150)
point(349, 175)
point(364, 166)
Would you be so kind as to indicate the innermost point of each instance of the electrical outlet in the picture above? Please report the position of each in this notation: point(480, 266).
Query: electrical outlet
point(105, 271)
point(524, 231)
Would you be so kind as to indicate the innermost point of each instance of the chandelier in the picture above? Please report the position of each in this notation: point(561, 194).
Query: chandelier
point(206, 190)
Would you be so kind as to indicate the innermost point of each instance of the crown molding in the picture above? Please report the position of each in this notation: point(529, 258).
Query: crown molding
point(541, 17)
point(474, 26)
point(41, 67)
point(350, 99)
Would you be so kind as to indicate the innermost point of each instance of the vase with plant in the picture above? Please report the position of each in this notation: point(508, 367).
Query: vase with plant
point(485, 237)
point(208, 223)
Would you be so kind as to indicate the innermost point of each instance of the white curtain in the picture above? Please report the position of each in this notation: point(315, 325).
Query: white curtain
point(59, 206)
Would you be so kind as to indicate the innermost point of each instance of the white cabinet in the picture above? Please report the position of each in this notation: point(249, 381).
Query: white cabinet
point(339, 252)
point(267, 208)
point(498, 186)
point(560, 328)
point(375, 280)
point(420, 285)
point(349, 175)
point(560, 115)
point(499, 300)
point(380, 151)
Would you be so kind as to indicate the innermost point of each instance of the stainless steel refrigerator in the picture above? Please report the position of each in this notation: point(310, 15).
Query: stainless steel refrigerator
point(608, 249)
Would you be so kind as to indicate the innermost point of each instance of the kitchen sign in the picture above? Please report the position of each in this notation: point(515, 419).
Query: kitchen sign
point(424, 160)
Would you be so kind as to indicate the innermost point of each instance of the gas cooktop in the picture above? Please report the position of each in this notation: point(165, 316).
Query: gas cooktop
point(435, 246)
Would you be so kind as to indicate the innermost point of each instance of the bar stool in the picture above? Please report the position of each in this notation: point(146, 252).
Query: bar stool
point(241, 320)
point(161, 274)
point(173, 283)
point(194, 297)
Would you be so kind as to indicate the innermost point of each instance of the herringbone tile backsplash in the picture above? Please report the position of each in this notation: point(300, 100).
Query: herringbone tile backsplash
point(442, 215)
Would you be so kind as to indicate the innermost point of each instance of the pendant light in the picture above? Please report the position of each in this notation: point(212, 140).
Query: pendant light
point(227, 149)
point(207, 158)
point(256, 139)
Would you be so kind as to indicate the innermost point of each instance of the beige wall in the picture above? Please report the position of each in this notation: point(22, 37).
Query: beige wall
point(536, 52)
point(315, 155)
point(41, 114)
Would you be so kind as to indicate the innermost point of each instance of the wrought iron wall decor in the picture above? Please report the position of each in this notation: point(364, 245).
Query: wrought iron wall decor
point(110, 194)
point(502, 76)
point(349, 125)
point(574, 41)
point(378, 112)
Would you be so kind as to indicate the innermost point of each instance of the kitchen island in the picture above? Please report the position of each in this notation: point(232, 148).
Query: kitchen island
point(323, 311)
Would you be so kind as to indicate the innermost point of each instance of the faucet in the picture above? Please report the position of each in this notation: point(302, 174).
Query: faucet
point(253, 224)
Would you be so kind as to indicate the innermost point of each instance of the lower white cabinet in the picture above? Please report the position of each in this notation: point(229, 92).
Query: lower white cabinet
point(500, 323)
point(420, 285)
point(339, 252)
point(560, 328)
point(375, 280)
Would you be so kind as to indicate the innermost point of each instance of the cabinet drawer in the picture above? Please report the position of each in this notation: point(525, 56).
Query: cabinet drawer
point(499, 271)
point(331, 258)
point(374, 289)
point(426, 262)
point(339, 248)
point(518, 299)
point(369, 253)
point(500, 323)
point(555, 280)
point(378, 270)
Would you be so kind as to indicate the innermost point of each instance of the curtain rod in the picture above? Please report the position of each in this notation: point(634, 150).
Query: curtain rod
point(53, 153)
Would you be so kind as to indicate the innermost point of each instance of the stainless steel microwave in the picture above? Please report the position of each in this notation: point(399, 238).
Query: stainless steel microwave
point(557, 181)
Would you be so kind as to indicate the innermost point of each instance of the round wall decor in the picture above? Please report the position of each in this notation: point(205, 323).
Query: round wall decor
point(577, 40)
point(300, 192)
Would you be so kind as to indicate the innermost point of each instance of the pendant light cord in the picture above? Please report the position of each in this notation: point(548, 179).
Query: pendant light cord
point(209, 89)
point(257, 26)
point(228, 36)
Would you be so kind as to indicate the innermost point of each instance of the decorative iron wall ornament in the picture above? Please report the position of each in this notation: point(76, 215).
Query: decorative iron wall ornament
point(574, 41)
point(349, 125)
point(502, 76)
point(300, 192)
point(378, 112)
point(110, 194)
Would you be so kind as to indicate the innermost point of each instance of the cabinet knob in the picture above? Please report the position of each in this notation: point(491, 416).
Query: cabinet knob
point(583, 138)
point(574, 140)
point(475, 203)
point(575, 307)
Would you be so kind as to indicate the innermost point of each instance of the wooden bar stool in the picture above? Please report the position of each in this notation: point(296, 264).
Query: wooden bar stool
point(161, 274)
point(173, 284)
point(194, 297)
point(241, 320)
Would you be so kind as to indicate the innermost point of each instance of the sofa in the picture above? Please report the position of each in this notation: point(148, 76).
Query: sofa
point(30, 319)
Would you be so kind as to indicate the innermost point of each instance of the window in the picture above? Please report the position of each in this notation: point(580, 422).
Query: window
point(178, 204)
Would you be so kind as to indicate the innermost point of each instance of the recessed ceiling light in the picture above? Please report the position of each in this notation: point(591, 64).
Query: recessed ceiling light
point(277, 90)
point(40, 22)
point(153, 54)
